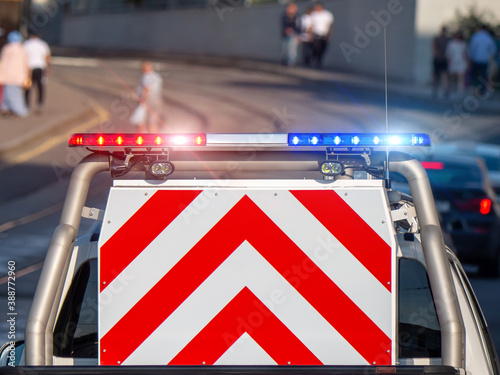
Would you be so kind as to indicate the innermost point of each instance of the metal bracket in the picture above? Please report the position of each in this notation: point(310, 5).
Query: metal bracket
point(346, 152)
point(93, 213)
point(406, 212)
point(127, 159)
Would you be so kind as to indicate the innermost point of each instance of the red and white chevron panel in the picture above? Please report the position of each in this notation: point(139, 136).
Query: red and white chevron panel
point(256, 276)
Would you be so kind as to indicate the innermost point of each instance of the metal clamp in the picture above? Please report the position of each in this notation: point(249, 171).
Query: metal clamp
point(406, 212)
point(92, 213)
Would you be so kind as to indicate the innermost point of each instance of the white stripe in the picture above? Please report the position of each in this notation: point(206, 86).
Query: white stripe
point(162, 254)
point(371, 205)
point(328, 254)
point(245, 351)
point(122, 205)
point(245, 267)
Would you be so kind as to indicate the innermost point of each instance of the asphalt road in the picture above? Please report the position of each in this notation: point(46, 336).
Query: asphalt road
point(214, 99)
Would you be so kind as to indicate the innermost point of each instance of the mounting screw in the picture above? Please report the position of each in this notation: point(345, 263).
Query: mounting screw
point(289, 363)
point(216, 194)
point(388, 283)
point(104, 350)
point(104, 283)
point(388, 351)
point(275, 194)
point(383, 221)
point(120, 362)
point(346, 194)
point(91, 213)
point(146, 194)
point(374, 363)
point(203, 362)
point(109, 221)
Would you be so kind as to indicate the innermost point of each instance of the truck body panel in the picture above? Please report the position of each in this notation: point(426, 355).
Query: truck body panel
point(263, 275)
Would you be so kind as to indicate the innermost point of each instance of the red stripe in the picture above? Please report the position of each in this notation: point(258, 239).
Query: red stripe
point(245, 313)
point(177, 284)
point(351, 230)
point(246, 222)
point(317, 288)
point(140, 230)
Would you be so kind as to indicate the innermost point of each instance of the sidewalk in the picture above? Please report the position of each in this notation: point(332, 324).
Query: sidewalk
point(63, 107)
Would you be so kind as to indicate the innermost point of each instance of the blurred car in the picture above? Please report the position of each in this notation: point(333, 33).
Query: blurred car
point(469, 208)
point(488, 152)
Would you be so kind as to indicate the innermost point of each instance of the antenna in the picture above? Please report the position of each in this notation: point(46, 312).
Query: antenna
point(385, 74)
point(388, 182)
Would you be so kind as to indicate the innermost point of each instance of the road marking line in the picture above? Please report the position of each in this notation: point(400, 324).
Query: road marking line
point(30, 218)
point(23, 272)
point(33, 217)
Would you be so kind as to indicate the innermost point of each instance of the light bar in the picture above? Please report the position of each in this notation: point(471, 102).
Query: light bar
point(136, 140)
point(358, 139)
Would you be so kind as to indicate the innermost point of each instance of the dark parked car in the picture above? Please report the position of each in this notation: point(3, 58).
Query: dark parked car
point(469, 209)
point(488, 152)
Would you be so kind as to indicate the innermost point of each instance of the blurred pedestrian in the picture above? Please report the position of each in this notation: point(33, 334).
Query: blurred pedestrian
point(481, 49)
point(2, 33)
point(440, 63)
point(148, 114)
point(39, 62)
point(321, 27)
point(456, 55)
point(306, 36)
point(14, 75)
point(493, 65)
point(290, 32)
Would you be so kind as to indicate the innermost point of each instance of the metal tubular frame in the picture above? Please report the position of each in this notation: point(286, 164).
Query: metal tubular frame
point(440, 278)
point(40, 323)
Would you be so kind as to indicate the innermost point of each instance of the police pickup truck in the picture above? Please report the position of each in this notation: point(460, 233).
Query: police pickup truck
point(305, 263)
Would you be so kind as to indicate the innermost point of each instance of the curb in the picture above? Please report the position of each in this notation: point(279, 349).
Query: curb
point(21, 141)
point(52, 126)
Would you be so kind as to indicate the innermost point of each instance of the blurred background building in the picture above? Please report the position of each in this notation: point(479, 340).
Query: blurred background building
point(251, 29)
point(12, 12)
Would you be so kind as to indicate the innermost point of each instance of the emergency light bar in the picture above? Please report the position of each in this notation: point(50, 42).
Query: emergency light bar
point(136, 140)
point(112, 141)
point(359, 139)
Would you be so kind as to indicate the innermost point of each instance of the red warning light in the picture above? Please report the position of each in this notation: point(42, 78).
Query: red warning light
point(432, 165)
point(137, 140)
point(485, 206)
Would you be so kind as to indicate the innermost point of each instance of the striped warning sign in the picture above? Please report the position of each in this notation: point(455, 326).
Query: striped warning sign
point(236, 276)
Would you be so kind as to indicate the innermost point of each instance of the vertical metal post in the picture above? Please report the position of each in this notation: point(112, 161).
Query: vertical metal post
point(48, 292)
point(438, 268)
point(49, 330)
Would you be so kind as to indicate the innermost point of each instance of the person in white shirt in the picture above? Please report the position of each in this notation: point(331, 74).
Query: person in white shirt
point(456, 54)
point(306, 37)
point(148, 114)
point(39, 63)
point(321, 28)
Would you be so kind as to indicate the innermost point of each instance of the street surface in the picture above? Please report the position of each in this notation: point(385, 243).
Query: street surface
point(209, 99)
